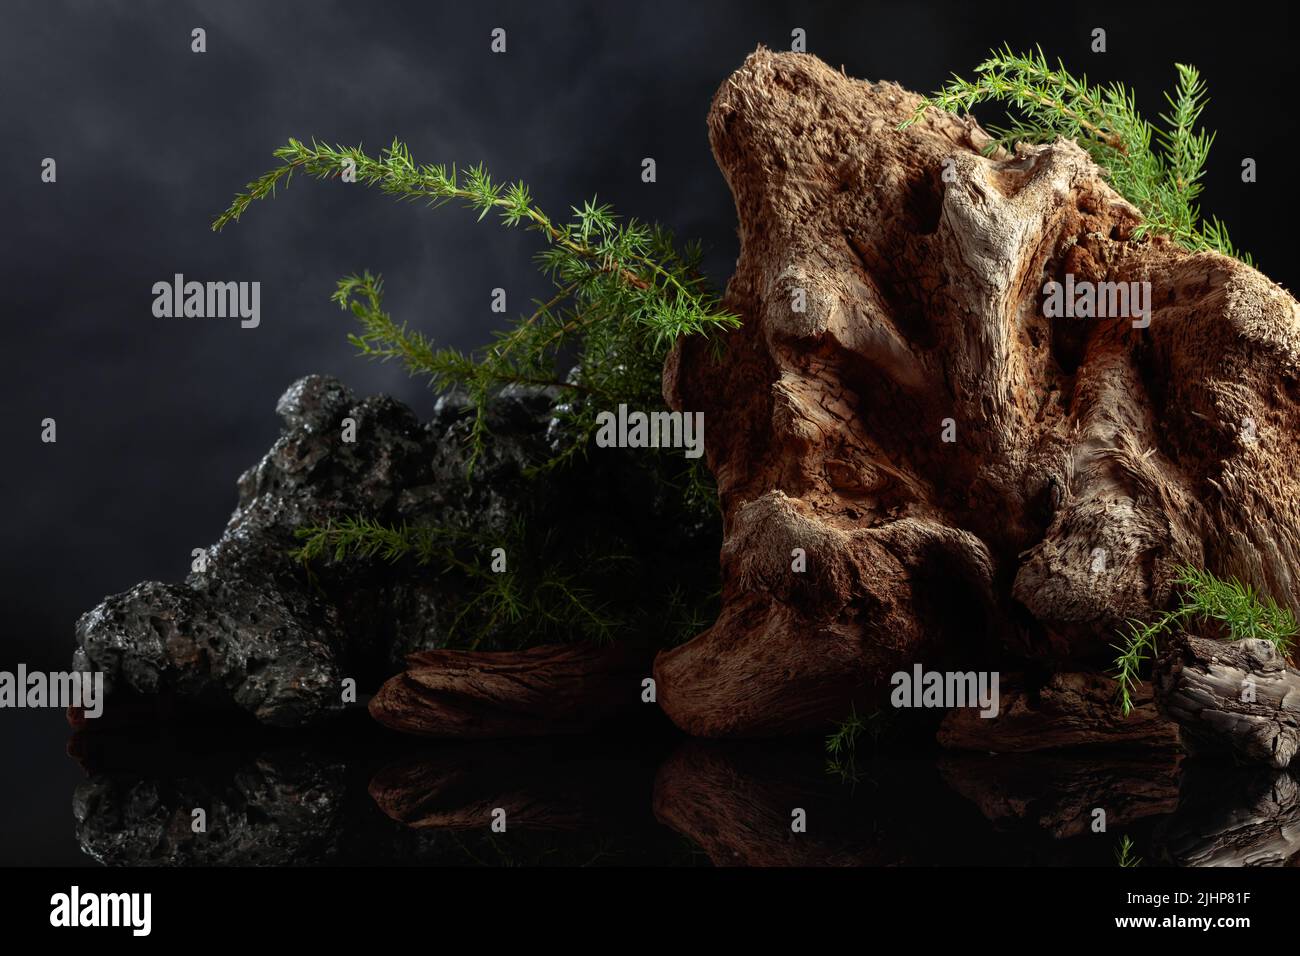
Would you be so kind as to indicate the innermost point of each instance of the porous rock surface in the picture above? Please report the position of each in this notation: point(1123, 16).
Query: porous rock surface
point(253, 631)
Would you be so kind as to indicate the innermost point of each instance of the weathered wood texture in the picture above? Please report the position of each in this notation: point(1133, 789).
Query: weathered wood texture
point(1071, 438)
point(554, 689)
point(1070, 710)
point(1231, 699)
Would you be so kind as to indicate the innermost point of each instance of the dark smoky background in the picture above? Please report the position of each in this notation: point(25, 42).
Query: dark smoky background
point(158, 417)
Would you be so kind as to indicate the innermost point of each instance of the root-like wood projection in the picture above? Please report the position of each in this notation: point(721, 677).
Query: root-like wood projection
point(554, 689)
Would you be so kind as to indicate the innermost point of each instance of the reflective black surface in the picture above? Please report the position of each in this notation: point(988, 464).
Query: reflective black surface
point(354, 794)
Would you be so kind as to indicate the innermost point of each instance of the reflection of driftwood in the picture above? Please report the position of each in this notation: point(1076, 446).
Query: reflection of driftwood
point(735, 801)
point(1059, 794)
point(1070, 710)
point(740, 819)
point(1201, 684)
point(460, 791)
point(553, 689)
point(1232, 816)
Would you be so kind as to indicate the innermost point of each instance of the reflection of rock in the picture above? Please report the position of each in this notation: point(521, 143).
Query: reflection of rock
point(1058, 793)
point(278, 809)
point(1070, 710)
point(1232, 816)
point(268, 799)
point(736, 801)
point(306, 800)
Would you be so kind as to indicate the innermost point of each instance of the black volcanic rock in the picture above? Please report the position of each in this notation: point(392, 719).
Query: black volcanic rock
point(253, 631)
point(257, 632)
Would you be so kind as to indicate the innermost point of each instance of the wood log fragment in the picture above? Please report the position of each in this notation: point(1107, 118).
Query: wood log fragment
point(1235, 699)
point(553, 689)
point(1070, 710)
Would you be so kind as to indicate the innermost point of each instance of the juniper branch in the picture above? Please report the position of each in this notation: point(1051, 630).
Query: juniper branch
point(625, 292)
point(1232, 607)
point(1049, 102)
point(552, 602)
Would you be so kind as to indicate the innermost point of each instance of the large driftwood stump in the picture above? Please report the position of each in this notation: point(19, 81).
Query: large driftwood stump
point(1231, 699)
point(1087, 456)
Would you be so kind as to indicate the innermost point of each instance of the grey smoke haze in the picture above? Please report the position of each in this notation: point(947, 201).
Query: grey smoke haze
point(157, 417)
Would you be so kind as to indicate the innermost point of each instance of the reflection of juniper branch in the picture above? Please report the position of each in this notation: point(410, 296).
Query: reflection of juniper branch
point(465, 850)
point(1123, 853)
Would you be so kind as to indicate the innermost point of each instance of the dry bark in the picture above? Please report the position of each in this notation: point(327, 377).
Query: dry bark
point(554, 689)
point(1201, 683)
point(1070, 710)
point(1175, 443)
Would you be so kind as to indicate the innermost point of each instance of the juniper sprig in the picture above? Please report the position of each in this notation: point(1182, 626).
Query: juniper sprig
point(624, 291)
point(842, 746)
point(549, 602)
point(1157, 168)
point(1235, 609)
point(1124, 853)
